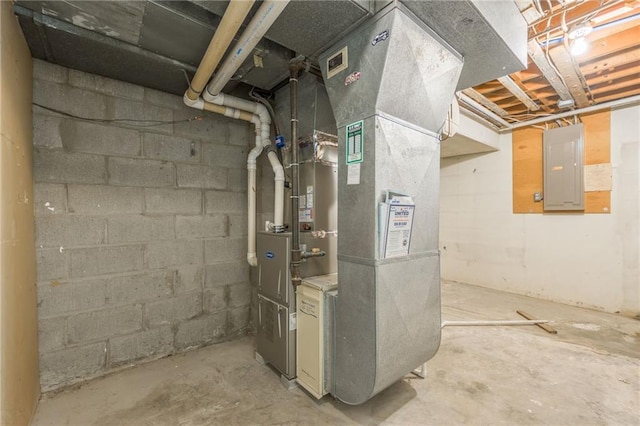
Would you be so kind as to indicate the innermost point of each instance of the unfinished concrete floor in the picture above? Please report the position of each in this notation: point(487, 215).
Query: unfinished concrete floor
point(589, 373)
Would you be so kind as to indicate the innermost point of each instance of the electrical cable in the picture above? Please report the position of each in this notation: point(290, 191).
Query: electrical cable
point(129, 121)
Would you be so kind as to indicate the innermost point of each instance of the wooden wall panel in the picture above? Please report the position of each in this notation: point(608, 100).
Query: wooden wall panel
point(597, 137)
point(597, 202)
point(19, 373)
point(528, 164)
point(527, 169)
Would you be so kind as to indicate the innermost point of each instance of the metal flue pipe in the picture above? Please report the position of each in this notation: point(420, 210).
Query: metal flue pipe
point(233, 18)
point(295, 66)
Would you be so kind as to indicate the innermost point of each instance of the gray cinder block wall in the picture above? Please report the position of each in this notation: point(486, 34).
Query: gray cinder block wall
point(140, 231)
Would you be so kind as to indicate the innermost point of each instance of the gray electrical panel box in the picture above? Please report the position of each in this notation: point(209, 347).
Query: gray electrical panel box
point(563, 168)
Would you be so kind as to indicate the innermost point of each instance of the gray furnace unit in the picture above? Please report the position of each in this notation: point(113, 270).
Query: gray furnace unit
point(276, 339)
point(390, 83)
point(277, 318)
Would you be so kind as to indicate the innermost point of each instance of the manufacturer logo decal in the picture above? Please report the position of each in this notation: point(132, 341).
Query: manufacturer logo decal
point(380, 37)
point(270, 255)
point(352, 78)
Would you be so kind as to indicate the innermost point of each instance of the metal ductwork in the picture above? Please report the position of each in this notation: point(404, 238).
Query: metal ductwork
point(388, 311)
point(398, 77)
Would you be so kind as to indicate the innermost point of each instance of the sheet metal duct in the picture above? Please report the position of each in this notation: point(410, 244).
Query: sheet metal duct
point(491, 35)
point(398, 76)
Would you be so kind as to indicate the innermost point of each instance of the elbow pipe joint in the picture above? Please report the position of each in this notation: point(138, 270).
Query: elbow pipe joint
point(197, 103)
point(252, 259)
point(270, 148)
point(233, 102)
point(214, 99)
point(253, 156)
point(278, 170)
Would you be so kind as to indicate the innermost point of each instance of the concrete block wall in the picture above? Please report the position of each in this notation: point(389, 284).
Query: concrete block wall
point(140, 230)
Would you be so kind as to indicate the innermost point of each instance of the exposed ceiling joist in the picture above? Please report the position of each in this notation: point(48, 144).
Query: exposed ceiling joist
point(608, 63)
point(511, 86)
point(564, 62)
point(478, 97)
point(476, 107)
point(622, 40)
point(538, 56)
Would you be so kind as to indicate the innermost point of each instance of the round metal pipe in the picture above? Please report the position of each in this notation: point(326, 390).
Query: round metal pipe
point(296, 257)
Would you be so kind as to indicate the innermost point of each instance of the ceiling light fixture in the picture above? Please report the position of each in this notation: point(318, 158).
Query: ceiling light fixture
point(577, 33)
point(579, 46)
point(580, 30)
point(565, 103)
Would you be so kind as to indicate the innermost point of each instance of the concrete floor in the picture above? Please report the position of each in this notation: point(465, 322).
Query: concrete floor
point(589, 373)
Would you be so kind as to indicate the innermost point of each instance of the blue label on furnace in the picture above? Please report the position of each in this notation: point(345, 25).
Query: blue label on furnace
point(270, 255)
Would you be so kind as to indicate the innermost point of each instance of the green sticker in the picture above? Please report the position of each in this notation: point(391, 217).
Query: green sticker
point(355, 138)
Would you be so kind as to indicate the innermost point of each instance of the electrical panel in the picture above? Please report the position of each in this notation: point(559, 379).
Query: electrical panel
point(563, 168)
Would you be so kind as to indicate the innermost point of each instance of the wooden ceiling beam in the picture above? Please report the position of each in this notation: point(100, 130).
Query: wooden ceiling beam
point(544, 89)
point(601, 32)
point(564, 62)
point(574, 15)
point(476, 108)
point(621, 59)
point(629, 73)
point(538, 56)
point(614, 76)
point(615, 96)
point(518, 92)
point(628, 39)
point(491, 106)
point(623, 83)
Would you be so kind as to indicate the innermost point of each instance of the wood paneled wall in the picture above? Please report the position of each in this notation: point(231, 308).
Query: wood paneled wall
point(528, 167)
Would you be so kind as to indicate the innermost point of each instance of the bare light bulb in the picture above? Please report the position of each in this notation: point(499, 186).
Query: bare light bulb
point(579, 46)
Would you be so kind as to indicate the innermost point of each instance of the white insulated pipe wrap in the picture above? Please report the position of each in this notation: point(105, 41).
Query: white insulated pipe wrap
point(259, 25)
point(233, 17)
point(260, 118)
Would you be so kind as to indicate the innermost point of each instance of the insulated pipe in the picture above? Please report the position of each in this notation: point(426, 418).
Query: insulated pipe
point(234, 15)
point(231, 112)
point(259, 25)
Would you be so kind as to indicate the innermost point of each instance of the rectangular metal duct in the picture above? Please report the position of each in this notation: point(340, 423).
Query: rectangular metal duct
point(395, 77)
point(491, 35)
point(308, 27)
point(399, 79)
